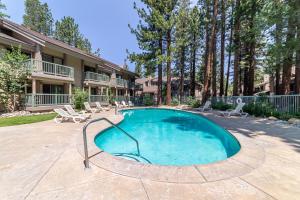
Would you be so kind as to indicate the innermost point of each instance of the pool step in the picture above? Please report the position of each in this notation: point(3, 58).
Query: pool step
point(132, 156)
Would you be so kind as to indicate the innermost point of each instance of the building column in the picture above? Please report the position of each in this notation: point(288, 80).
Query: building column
point(33, 92)
point(90, 88)
point(37, 55)
point(107, 91)
point(33, 86)
point(101, 88)
point(25, 89)
point(70, 93)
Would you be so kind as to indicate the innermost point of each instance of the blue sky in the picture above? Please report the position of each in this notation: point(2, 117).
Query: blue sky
point(103, 22)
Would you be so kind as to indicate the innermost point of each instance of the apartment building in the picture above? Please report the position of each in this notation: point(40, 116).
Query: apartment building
point(57, 68)
point(149, 86)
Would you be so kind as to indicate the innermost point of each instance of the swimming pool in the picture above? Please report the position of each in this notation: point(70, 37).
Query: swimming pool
point(168, 137)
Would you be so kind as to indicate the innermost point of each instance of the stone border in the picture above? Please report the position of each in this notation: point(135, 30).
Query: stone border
point(247, 159)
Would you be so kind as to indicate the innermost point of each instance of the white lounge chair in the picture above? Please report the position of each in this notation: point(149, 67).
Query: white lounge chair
point(89, 109)
point(124, 104)
point(65, 116)
point(72, 112)
point(237, 111)
point(118, 105)
point(207, 106)
point(130, 104)
point(99, 106)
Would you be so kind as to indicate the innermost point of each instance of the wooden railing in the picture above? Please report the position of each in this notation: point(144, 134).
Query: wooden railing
point(38, 66)
point(99, 98)
point(91, 76)
point(34, 100)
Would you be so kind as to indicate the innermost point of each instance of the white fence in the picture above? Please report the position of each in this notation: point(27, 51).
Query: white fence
point(48, 68)
point(34, 100)
point(283, 103)
point(99, 98)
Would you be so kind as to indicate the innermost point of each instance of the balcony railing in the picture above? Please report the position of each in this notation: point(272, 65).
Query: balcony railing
point(34, 100)
point(91, 76)
point(99, 98)
point(43, 67)
point(122, 82)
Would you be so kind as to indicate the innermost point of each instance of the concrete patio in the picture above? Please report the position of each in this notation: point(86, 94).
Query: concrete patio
point(43, 161)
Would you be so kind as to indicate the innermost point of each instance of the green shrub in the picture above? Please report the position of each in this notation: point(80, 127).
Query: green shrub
point(79, 98)
point(221, 106)
point(194, 103)
point(148, 100)
point(261, 109)
point(175, 102)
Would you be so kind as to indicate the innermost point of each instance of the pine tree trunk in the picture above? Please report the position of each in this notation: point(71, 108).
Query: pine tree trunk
point(159, 82)
point(288, 60)
point(209, 66)
point(252, 61)
point(193, 69)
point(169, 95)
point(236, 67)
point(278, 41)
point(223, 18)
point(182, 62)
point(277, 81)
point(230, 46)
point(206, 38)
point(297, 78)
point(214, 73)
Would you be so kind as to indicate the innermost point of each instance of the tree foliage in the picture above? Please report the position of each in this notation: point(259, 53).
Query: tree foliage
point(67, 30)
point(38, 17)
point(13, 75)
point(3, 8)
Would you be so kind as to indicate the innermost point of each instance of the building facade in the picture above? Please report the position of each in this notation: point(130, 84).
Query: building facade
point(57, 68)
point(149, 86)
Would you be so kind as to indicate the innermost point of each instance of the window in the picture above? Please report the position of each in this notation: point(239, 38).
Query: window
point(53, 89)
point(52, 59)
point(89, 69)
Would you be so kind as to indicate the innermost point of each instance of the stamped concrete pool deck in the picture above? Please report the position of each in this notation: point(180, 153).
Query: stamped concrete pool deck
point(44, 161)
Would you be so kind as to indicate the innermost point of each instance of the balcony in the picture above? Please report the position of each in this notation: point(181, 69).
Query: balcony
point(138, 86)
point(122, 83)
point(97, 78)
point(45, 69)
point(35, 100)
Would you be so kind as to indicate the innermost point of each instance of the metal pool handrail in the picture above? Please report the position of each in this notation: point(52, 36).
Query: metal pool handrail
point(86, 156)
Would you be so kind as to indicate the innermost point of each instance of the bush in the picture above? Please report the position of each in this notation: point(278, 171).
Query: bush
point(265, 109)
point(148, 100)
point(261, 109)
point(221, 106)
point(194, 103)
point(175, 102)
point(79, 98)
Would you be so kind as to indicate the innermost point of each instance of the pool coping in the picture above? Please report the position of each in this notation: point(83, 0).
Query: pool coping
point(250, 157)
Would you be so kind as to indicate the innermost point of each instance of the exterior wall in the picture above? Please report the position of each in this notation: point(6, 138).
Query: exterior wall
point(52, 52)
point(76, 59)
point(76, 64)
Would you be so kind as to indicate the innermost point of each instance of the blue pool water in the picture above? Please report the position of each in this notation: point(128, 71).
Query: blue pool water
point(169, 137)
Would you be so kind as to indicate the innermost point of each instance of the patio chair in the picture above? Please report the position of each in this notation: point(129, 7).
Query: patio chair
point(65, 116)
point(118, 105)
point(89, 109)
point(72, 112)
point(237, 111)
point(99, 106)
point(207, 106)
point(124, 104)
point(130, 104)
